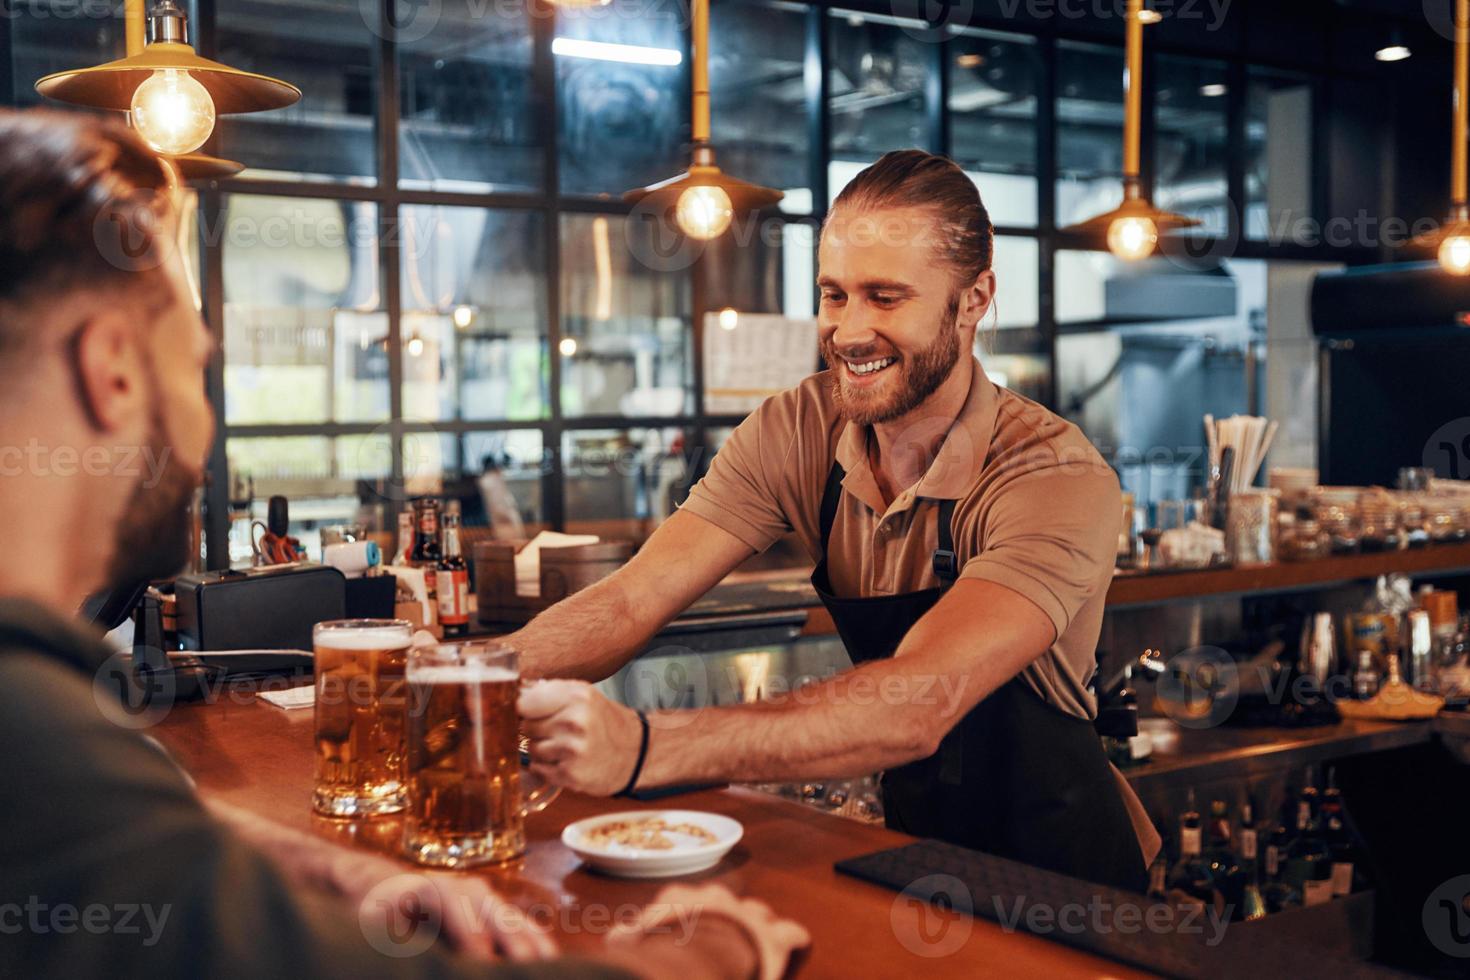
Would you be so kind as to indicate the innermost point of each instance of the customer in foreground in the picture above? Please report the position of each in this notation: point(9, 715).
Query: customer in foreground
point(112, 865)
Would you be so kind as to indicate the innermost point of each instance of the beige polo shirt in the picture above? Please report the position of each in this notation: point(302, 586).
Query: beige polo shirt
point(1037, 510)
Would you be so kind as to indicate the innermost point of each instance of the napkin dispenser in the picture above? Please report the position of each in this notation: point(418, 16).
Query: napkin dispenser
point(272, 607)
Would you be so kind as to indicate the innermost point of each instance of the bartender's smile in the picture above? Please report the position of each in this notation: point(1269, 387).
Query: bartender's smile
point(865, 371)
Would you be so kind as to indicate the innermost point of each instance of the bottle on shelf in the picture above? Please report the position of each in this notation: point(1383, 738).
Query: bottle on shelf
point(452, 578)
point(426, 551)
point(1278, 891)
point(1253, 901)
point(1158, 877)
point(1308, 860)
point(1189, 881)
point(1227, 878)
point(404, 553)
point(1343, 843)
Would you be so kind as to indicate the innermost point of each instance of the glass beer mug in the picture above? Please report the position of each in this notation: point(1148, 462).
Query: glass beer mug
point(468, 793)
point(359, 715)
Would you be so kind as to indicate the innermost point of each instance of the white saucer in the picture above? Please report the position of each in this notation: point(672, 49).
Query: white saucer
point(687, 856)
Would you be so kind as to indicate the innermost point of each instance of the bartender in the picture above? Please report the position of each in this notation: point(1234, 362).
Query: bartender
point(963, 538)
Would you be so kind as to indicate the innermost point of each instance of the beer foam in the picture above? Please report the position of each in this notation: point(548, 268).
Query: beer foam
point(372, 638)
point(461, 674)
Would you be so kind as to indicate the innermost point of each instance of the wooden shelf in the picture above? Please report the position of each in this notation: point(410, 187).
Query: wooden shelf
point(1151, 588)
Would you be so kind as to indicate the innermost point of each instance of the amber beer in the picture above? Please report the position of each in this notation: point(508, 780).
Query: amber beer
point(360, 665)
point(467, 794)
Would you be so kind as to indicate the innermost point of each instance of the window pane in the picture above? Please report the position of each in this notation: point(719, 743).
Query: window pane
point(771, 272)
point(622, 483)
point(58, 35)
point(319, 475)
point(625, 327)
point(1015, 353)
point(474, 313)
point(758, 97)
point(1016, 262)
point(620, 124)
point(1278, 146)
point(992, 113)
point(876, 76)
point(507, 469)
point(305, 338)
point(1149, 348)
point(1089, 131)
point(469, 118)
point(326, 50)
point(1190, 142)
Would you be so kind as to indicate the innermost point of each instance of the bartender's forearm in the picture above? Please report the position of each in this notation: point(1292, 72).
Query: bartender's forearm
point(592, 633)
point(877, 716)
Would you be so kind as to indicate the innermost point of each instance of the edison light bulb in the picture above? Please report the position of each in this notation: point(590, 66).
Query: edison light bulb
point(1454, 255)
point(1131, 239)
point(173, 112)
point(729, 318)
point(704, 212)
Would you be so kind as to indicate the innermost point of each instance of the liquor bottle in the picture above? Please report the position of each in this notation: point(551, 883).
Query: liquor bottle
point(1158, 878)
point(426, 552)
point(1226, 876)
point(452, 579)
point(1189, 880)
point(1253, 902)
point(1342, 842)
point(1308, 860)
point(1278, 891)
point(405, 538)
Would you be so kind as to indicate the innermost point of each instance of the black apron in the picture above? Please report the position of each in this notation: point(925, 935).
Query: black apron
point(1015, 777)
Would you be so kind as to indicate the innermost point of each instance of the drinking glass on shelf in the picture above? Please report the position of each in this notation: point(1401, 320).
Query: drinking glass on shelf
point(1250, 527)
point(359, 715)
point(468, 791)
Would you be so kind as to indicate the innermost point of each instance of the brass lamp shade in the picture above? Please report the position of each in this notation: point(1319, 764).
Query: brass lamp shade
point(744, 196)
point(1457, 225)
point(1133, 207)
point(196, 167)
point(111, 86)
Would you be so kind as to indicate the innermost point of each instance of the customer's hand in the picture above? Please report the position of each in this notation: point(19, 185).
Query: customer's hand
point(699, 918)
point(580, 740)
point(471, 917)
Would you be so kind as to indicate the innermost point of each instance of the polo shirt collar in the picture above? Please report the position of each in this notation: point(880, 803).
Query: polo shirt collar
point(955, 466)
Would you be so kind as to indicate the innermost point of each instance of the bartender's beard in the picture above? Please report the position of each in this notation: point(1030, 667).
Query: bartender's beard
point(920, 375)
point(152, 538)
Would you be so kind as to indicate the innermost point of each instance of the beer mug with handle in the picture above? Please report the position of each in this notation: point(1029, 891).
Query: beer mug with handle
point(469, 791)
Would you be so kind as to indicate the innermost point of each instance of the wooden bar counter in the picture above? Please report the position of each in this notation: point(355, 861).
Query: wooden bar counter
point(259, 758)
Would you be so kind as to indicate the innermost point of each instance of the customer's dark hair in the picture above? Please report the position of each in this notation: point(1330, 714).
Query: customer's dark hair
point(913, 178)
point(83, 205)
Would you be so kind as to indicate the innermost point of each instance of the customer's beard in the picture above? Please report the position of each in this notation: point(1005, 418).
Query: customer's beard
point(152, 538)
point(922, 374)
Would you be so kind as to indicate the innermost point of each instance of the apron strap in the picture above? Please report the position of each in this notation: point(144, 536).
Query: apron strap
point(946, 560)
point(830, 498)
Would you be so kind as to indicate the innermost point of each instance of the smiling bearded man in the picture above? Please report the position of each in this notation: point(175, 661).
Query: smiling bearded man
point(963, 538)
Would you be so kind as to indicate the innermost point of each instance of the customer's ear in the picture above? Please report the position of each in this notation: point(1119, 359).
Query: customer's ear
point(109, 363)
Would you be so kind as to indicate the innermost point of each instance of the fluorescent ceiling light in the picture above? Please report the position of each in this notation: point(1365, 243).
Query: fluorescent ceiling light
point(1394, 52)
point(631, 54)
point(1213, 90)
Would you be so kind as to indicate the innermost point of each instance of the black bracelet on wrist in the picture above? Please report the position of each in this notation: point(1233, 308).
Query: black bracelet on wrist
point(642, 755)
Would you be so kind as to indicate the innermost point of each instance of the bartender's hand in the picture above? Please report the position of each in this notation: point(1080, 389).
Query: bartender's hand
point(580, 740)
point(741, 935)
